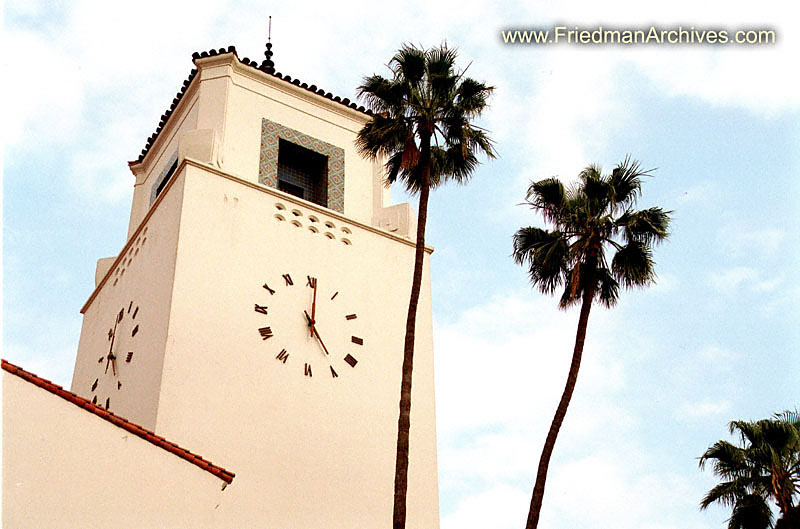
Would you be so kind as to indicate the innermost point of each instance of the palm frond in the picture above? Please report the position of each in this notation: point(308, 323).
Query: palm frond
point(545, 252)
point(378, 93)
point(549, 197)
point(633, 265)
point(382, 135)
point(626, 181)
point(408, 65)
point(650, 226)
point(595, 189)
point(471, 96)
point(607, 288)
point(750, 512)
point(725, 493)
point(728, 460)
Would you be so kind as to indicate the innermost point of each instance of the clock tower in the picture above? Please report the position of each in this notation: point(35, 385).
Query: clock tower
point(256, 313)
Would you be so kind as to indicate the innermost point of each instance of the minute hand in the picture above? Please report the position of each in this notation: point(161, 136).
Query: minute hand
point(316, 333)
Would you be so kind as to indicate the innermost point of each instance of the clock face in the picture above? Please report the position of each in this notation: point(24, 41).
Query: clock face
point(308, 326)
point(118, 359)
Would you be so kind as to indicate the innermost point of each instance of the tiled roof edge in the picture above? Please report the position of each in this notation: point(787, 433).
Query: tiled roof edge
point(247, 62)
point(135, 429)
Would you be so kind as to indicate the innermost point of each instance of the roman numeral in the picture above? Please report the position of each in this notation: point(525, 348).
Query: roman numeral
point(288, 279)
point(307, 370)
point(312, 282)
point(135, 312)
point(130, 307)
point(351, 316)
point(94, 386)
point(334, 295)
point(334, 374)
point(94, 399)
point(350, 360)
point(119, 316)
point(134, 331)
point(265, 332)
point(261, 309)
point(357, 340)
point(108, 402)
point(271, 292)
point(100, 360)
point(283, 356)
point(129, 357)
point(110, 334)
point(119, 385)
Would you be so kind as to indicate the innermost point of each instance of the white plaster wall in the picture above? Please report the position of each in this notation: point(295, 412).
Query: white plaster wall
point(143, 274)
point(64, 467)
point(308, 452)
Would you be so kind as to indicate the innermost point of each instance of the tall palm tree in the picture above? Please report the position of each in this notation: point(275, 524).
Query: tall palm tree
point(423, 127)
point(765, 468)
point(589, 219)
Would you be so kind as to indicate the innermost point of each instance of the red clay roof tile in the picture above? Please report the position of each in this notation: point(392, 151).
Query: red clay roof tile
point(121, 422)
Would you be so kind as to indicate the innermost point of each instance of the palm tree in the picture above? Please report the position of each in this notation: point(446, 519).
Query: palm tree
point(592, 217)
point(766, 467)
point(422, 126)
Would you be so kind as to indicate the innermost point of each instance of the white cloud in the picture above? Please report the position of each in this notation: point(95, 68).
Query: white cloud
point(48, 104)
point(54, 364)
point(609, 490)
point(702, 409)
point(743, 278)
point(574, 101)
point(500, 506)
point(739, 240)
point(716, 355)
point(510, 350)
point(703, 192)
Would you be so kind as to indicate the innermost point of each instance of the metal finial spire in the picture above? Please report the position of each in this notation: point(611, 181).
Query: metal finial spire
point(267, 65)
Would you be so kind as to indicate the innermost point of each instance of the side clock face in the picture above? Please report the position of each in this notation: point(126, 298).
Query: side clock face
point(118, 359)
point(309, 327)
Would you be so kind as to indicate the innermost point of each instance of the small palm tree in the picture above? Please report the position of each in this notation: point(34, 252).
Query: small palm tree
point(766, 467)
point(591, 218)
point(423, 127)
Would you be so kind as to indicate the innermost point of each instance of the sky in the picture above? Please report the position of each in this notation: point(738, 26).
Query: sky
point(716, 339)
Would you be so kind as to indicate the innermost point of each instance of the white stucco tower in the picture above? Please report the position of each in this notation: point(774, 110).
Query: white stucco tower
point(256, 313)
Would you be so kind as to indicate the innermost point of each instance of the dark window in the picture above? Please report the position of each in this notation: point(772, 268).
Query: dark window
point(167, 177)
point(303, 173)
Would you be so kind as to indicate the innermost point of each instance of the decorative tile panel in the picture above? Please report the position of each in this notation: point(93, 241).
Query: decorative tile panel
point(272, 133)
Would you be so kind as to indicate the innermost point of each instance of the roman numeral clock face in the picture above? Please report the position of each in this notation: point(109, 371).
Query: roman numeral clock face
point(308, 327)
point(119, 357)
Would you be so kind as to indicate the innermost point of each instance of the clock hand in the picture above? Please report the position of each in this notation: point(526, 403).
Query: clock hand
point(316, 333)
point(314, 309)
point(110, 355)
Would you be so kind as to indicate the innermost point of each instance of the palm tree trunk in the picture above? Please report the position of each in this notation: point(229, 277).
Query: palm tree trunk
point(404, 420)
point(561, 411)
